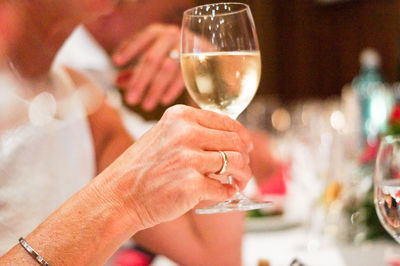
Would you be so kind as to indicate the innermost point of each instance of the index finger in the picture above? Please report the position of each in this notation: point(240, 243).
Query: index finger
point(217, 121)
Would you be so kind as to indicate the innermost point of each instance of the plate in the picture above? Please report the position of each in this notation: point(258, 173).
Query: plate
point(269, 223)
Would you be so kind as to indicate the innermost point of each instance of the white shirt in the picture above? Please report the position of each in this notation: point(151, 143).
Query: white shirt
point(43, 162)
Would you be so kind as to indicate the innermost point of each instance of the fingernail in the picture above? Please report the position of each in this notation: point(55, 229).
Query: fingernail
point(132, 98)
point(165, 101)
point(121, 78)
point(148, 105)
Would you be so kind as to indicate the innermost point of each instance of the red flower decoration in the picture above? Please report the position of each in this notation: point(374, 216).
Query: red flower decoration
point(395, 116)
point(369, 154)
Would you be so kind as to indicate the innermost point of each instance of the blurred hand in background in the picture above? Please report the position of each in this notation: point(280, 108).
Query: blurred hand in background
point(155, 76)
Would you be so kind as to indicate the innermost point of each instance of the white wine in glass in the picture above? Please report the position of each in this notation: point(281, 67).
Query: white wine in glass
point(223, 82)
point(221, 66)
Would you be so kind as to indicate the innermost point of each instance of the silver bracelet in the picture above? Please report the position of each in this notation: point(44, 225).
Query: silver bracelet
point(33, 253)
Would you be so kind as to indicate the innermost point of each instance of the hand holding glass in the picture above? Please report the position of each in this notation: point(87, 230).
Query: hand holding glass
point(221, 66)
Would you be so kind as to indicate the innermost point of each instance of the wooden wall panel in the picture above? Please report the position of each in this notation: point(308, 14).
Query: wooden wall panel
point(311, 50)
point(319, 46)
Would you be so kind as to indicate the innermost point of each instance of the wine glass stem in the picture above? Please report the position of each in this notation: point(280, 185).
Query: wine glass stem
point(231, 182)
point(238, 195)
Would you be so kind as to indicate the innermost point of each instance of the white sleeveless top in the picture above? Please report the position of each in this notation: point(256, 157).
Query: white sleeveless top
point(41, 166)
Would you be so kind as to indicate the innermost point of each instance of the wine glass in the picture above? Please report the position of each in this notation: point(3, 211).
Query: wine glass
point(387, 185)
point(221, 66)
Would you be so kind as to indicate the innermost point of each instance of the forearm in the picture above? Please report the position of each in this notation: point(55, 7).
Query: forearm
point(197, 239)
point(109, 136)
point(86, 230)
point(221, 234)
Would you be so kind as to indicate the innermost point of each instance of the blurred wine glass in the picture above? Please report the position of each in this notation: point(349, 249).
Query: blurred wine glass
point(387, 185)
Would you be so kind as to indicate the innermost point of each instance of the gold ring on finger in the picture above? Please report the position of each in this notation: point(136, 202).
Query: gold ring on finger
point(225, 163)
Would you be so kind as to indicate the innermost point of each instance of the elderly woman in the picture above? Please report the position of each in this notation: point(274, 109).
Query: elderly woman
point(46, 194)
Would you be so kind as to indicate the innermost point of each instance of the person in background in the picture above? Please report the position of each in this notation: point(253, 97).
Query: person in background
point(131, 41)
point(144, 64)
point(90, 48)
point(47, 167)
point(147, 47)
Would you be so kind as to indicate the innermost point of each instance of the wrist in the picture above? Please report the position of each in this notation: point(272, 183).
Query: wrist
point(112, 190)
point(93, 220)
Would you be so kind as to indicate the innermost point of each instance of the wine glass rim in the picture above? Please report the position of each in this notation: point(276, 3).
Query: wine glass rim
point(386, 140)
point(245, 7)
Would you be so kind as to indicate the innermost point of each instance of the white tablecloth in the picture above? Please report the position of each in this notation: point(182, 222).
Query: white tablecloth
point(280, 248)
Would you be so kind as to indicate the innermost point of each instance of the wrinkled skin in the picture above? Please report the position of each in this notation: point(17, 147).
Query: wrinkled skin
point(165, 173)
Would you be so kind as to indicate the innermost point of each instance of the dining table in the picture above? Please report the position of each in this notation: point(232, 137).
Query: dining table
point(295, 244)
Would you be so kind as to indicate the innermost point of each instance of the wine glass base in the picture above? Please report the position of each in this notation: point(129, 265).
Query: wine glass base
point(237, 203)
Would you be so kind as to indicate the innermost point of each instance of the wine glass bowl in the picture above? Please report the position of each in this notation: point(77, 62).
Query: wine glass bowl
point(387, 185)
point(221, 67)
point(220, 58)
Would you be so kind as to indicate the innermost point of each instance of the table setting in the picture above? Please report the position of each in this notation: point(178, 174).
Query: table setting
point(334, 192)
point(323, 210)
point(340, 180)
